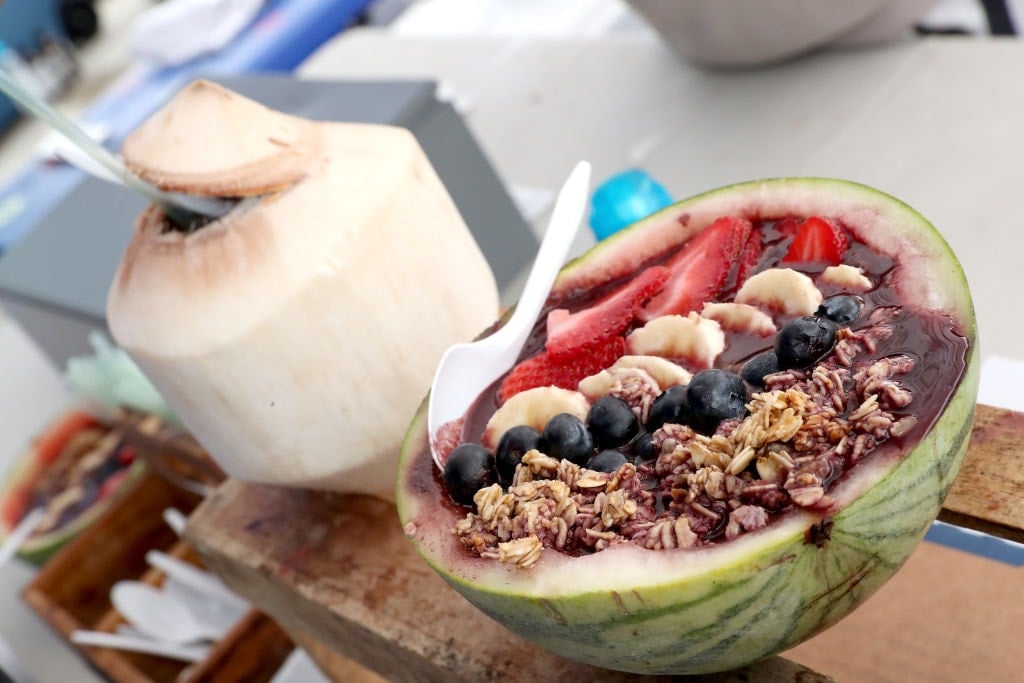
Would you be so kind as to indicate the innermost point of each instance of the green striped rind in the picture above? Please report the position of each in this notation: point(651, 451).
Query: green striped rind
point(714, 610)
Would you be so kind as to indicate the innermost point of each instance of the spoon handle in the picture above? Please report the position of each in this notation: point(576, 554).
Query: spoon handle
point(195, 578)
point(9, 548)
point(563, 226)
point(176, 520)
point(182, 209)
point(187, 653)
point(487, 359)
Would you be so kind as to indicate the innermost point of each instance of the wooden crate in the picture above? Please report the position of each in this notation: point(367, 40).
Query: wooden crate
point(72, 591)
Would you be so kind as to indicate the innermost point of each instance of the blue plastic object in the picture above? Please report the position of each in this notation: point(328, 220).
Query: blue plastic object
point(624, 199)
point(970, 541)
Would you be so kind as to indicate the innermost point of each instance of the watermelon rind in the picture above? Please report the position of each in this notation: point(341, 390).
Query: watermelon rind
point(713, 609)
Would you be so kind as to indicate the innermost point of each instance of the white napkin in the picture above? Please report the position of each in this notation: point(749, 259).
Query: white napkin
point(179, 30)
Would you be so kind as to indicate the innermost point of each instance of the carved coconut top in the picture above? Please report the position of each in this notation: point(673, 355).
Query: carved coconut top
point(211, 141)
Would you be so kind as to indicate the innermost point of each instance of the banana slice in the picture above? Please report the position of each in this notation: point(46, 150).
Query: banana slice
point(781, 289)
point(740, 318)
point(533, 407)
point(664, 372)
point(696, 339)
point(849, 278)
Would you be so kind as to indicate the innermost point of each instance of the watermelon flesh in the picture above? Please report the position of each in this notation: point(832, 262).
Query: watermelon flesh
point(725, 604)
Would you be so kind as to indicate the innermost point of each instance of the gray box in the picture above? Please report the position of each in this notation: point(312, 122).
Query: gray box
point(55, 280)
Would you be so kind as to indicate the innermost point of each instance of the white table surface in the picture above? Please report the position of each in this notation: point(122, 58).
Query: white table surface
point(31, 395)
point(937, 123)
point(31, 392)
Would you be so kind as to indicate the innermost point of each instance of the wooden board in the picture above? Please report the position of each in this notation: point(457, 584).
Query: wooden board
point(339, 570)
point(988, 494)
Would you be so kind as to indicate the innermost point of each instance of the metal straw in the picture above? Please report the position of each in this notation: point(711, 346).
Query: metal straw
point(184, 210)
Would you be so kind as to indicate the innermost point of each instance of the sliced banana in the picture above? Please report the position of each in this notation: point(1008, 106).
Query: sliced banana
point(696, 339)
point(533, 407)
point(664, 372)
point(740, 318)
point(850, 278)
point(781, 289)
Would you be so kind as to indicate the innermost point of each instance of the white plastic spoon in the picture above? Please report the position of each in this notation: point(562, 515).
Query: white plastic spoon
point(161, 616)
point(197, 579)
point(467, 369)
point(186, 653)
point(219, 615)
point(175, 519)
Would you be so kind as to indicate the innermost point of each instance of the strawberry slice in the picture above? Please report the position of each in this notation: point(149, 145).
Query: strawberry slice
point(542, 370)
point(700, 269)
point(817, 240)
point(570, 333)
point(749, 257)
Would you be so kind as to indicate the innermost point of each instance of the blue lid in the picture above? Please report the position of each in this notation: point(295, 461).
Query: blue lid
point(624, 199)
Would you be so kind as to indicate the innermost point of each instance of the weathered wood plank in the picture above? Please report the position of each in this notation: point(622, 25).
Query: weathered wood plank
point(338, 569)
point(988, 494)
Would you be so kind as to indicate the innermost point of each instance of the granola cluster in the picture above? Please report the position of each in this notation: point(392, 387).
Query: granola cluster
point(636, 387)
point(800, 434)
point(556, 504)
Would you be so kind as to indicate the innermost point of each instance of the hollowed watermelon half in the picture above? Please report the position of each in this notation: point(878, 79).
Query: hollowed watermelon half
point(727, 604)
point(36, 482)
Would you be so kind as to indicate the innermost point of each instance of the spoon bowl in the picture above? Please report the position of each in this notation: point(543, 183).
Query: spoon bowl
point(220, 616)
point(160, 615)
point(467, 369)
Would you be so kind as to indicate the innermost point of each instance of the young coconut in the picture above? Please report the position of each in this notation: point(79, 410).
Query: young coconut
point(295, 336)
point(740, 521)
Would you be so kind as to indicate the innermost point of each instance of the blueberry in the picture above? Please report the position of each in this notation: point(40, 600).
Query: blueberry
point(607, 461)
point(842, 309)
point(470, 468)
point(804, 341)
point(566, 437)
point(512, 447)
point(671, 407)
point(757, 368)
point(643, 447)
point(715, 395)
point(611, 422)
